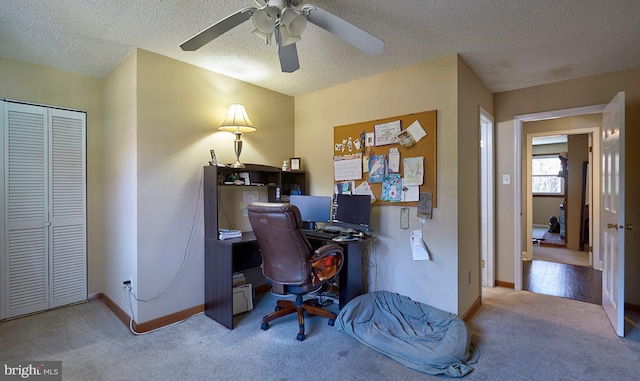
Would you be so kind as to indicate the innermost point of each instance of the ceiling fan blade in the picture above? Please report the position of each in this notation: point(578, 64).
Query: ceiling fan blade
point(217, 29)
point(288, 55)
point(350, 33)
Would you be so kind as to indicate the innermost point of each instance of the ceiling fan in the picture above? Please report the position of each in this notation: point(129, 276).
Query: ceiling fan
point(286, 20)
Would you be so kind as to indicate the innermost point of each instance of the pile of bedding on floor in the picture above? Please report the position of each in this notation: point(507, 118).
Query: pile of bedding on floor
point(414, 334)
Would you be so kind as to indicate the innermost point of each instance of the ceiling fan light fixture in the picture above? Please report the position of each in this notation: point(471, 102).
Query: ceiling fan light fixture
point(263, 36)
point(264, 19)
point(293, 22)
point(287, 39)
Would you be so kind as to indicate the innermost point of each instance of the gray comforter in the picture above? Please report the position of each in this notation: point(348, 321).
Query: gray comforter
point(414, 334)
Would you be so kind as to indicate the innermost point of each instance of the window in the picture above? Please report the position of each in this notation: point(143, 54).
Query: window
point(545, 180)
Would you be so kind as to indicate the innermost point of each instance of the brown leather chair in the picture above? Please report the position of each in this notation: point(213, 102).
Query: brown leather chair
point(289, 263)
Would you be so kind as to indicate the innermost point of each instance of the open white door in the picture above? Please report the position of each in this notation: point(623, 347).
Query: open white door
point(612, 212)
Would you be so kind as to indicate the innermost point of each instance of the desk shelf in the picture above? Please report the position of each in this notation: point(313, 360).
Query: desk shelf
point(224, 257)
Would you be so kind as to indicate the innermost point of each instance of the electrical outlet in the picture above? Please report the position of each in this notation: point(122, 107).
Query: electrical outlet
point(128, 284)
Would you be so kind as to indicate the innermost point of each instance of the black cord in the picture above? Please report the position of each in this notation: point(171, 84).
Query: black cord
point(370, 262)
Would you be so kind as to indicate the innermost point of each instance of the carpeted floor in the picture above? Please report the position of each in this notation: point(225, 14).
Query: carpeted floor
point(520, 336)
point(552, 239)
point(561, 255)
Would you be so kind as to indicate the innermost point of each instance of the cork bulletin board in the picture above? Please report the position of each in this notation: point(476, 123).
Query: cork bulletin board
point(361, 141)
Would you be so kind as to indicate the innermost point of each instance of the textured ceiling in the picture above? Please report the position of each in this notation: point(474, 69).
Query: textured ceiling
point(510, 44)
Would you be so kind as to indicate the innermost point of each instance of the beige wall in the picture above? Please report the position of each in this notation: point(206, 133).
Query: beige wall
point(179, 108)
point(428, 86)
point(38, 84)
point(472, 94)
point(160, 119)
point(120, 181)
point(147, 98)
point(578, 154)
point(599, 89)
point(544, 207)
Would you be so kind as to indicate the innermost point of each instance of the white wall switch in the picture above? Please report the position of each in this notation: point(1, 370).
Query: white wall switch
point(506, 179)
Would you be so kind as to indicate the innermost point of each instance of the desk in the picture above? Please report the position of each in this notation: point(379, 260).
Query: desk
point(224, 257)
point(221, 259)
point(350, 276)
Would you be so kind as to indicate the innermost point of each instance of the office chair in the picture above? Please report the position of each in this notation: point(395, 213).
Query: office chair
point(289, 262)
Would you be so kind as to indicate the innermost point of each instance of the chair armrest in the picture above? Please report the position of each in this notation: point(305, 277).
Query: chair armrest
point(326, 262)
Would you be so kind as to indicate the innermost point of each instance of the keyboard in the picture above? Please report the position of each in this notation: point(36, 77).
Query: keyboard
point(319, 234)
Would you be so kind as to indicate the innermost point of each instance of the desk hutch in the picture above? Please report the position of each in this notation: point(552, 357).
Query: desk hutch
point(224, 257)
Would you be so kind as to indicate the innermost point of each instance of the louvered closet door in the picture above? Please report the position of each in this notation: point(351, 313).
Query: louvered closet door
point(26, 262)
point(67, 206)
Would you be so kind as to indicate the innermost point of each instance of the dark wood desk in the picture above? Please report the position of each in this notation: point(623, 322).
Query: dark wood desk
point(350, 276)
point(223, 258)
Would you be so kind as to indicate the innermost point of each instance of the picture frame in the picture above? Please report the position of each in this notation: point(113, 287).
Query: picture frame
point(295, 164)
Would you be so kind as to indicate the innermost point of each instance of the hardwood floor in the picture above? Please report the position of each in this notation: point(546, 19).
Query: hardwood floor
point(559, 279)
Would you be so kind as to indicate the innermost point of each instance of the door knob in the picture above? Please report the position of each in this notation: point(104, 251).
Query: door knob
point(612, 226)
point(629, 226)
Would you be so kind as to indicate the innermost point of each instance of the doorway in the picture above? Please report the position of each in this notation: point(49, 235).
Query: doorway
point(608, 207)
point(522, 223)
point(559, 260)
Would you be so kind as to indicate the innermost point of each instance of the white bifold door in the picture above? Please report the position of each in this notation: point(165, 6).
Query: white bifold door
point(43, 210)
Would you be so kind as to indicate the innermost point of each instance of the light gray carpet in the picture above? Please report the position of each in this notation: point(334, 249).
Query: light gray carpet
point(520, 335)
point(561, 255)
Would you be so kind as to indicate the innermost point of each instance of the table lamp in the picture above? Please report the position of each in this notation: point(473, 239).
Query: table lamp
point(237, 122)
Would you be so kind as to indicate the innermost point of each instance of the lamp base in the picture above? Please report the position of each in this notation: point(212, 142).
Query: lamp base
point(237, 147)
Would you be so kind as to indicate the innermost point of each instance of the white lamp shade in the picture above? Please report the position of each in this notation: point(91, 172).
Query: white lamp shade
point(265, 19)
point(237, 120)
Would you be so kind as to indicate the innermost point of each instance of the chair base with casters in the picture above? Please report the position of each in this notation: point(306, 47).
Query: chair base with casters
point(288, 307)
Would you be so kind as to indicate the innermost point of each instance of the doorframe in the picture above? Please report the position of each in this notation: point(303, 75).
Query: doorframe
point(518, 124)
point(487, 194)
point(594, 207)
point(3, 182)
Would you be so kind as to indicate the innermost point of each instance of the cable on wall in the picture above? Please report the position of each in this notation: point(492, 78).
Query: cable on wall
point(222, 209)
point(128, 294)
point(186, 250)
point(369, 260)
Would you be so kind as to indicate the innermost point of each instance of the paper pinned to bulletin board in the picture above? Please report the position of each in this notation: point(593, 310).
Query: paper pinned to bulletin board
point(416, 142)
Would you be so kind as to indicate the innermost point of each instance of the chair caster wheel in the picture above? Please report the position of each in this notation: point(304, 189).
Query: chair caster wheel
point(300, 336)
point(331, 322)
point(264, 326)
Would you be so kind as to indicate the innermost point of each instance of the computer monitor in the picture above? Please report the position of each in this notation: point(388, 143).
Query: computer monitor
point(312, 209)
point(351, 211)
